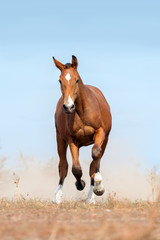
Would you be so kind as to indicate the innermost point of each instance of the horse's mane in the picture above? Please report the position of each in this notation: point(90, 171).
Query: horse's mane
point(68, 65)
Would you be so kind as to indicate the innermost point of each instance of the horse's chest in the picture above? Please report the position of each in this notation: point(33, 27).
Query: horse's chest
point(80, 131)
point(84, 136)
point(84, 132)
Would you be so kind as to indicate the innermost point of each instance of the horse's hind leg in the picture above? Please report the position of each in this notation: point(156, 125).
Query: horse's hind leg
point(96, 178)
point(63, 167)
point(76, 167)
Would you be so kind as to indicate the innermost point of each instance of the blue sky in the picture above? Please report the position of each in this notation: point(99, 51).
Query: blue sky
point(117, 44)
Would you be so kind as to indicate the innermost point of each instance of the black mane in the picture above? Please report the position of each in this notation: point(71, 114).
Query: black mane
point(68, 65)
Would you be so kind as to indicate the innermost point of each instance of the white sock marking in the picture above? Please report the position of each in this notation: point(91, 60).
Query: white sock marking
point(91, 196)
point(58, 196)
point(68, 77)
point(97, 177)
point(98, 186)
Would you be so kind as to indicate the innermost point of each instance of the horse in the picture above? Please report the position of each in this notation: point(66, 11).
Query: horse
point(82, 118)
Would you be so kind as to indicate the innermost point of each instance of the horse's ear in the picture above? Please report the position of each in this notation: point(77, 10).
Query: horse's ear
point(58, 64)
point(74, 62)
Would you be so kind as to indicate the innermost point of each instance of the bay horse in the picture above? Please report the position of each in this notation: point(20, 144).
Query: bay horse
point(82, 118)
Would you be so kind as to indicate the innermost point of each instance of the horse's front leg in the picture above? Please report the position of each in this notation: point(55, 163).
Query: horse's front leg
point(63, 167)
point(76, 167)
point(100, 142)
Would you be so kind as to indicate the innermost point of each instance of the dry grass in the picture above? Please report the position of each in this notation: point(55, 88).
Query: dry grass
point(112, 219)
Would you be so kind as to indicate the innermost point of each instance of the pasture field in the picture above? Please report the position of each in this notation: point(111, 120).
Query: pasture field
point(110, 220)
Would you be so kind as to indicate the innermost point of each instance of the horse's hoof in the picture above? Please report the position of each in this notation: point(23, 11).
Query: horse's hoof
point(99, 192)
point(80, 185)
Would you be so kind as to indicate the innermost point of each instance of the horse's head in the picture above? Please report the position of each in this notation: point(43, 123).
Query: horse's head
point(69, 79)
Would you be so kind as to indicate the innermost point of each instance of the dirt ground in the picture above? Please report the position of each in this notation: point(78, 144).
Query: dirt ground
point(115, 220)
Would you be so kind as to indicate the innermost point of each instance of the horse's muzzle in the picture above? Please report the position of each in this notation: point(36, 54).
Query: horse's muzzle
point(69, 109)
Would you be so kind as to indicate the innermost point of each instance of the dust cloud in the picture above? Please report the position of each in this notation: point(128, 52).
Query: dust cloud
point(122, 178)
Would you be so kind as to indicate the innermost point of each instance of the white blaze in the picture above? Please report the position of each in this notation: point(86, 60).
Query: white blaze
point(68, 77)
point(69, 102)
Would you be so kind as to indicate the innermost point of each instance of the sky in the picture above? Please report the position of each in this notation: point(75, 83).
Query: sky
point(117, 44)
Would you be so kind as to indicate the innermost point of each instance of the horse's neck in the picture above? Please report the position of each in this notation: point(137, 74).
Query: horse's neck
point(81, 101)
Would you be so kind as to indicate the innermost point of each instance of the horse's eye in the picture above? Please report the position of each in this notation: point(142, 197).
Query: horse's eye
point(60, 81)
point(77, 81)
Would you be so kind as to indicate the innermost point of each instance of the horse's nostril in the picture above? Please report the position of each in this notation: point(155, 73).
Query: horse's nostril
point(64, 106)
point(69, 109)
point(72, 107)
